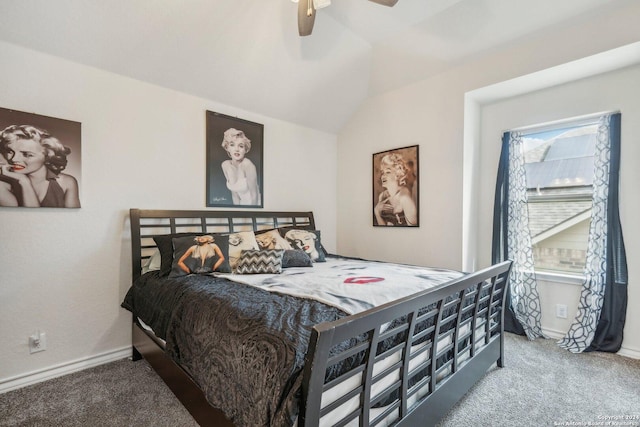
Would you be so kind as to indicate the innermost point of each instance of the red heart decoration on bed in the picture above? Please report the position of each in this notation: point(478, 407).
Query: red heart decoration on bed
point(362, 280)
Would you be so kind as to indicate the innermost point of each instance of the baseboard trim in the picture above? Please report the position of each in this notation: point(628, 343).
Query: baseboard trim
point(624, 351)
point(45, 374)
point(41, 375)
point(553, 334)
point(629, 352)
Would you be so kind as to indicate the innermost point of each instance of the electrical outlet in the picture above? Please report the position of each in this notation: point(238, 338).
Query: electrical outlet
point(561, 311)
point(37, 342)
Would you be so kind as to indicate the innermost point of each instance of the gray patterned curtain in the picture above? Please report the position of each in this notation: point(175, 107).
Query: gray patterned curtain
point(599, 322)
point(512, 240)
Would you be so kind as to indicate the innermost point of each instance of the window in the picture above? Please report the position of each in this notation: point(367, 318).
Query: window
point(560, 169)
point(559, 178)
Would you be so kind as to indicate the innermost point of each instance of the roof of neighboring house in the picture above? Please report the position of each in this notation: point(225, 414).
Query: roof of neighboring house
point(570, 145)
point(560, 173)
point(560, 168)
point(551, 217)
point(564, 161)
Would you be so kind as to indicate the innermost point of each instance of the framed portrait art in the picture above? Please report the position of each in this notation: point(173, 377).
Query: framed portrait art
point(234, 162)
point(395, 188)
point(39, 161)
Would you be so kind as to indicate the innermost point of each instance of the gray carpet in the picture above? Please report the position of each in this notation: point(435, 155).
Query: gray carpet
point(122, 393)
point(542, 385)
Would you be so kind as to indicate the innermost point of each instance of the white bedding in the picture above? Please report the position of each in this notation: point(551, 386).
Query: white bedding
point(350, 285)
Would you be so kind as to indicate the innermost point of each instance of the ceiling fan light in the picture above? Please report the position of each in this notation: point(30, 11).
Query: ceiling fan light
point(319, 4)
point(306, 17)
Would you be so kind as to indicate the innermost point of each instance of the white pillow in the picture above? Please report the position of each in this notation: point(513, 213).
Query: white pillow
point(152, 263)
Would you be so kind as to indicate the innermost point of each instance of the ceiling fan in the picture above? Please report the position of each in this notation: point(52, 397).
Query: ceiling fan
point(307, 12)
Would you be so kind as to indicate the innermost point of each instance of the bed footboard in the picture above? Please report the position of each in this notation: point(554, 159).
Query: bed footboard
point(407, 362)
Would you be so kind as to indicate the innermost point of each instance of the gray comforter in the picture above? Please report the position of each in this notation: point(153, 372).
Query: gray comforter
point(243, 346)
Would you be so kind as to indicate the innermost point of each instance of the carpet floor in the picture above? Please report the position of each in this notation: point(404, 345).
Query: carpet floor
point(541, 385)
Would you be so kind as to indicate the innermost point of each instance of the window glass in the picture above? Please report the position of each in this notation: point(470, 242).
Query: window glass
point(559, 172)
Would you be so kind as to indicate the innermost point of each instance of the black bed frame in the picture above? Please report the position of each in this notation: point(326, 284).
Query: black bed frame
point(452, 334)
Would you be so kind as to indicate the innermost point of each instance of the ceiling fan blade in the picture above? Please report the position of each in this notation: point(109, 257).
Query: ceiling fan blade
point(306, 17)
point(389, 3)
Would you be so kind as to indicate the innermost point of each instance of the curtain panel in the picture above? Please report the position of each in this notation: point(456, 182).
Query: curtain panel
point(512, 240)
point(599, 323)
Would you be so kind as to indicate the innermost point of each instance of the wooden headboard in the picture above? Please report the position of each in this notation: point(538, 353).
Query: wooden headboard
point(148, 223)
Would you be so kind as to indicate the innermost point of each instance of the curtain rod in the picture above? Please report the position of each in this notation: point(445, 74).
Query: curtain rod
point(557, 124)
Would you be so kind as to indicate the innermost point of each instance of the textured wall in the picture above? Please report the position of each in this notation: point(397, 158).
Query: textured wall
point(65, 271)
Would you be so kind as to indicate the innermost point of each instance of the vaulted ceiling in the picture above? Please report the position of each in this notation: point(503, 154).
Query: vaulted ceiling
point(247, 53)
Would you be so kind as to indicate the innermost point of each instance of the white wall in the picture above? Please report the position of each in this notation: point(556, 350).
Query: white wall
point(66, 271)
point(433, 114)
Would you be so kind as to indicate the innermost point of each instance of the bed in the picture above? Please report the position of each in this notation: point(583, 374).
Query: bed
point(236, 353)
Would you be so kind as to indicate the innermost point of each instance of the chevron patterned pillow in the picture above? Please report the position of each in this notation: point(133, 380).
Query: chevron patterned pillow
point(268, 261)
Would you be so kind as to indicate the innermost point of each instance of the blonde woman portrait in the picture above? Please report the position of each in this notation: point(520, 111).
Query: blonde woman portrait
point(303, 240)
point(203, 257)
point(31, 169)
point(239, 171)
point(234, 162)
point(395, 204)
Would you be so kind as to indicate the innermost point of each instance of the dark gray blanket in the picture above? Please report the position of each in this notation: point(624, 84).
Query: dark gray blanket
point(243, 346)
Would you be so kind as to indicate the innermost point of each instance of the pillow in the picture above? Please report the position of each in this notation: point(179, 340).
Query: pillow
point(153, 263)
point(243, 240)
point(306, 240)
point(164, 242)
point(187, 250)
point(271, 239)
point(296, 258)
point(266, 261)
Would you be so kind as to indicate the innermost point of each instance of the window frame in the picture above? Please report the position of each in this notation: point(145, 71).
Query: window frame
point(559, 276)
